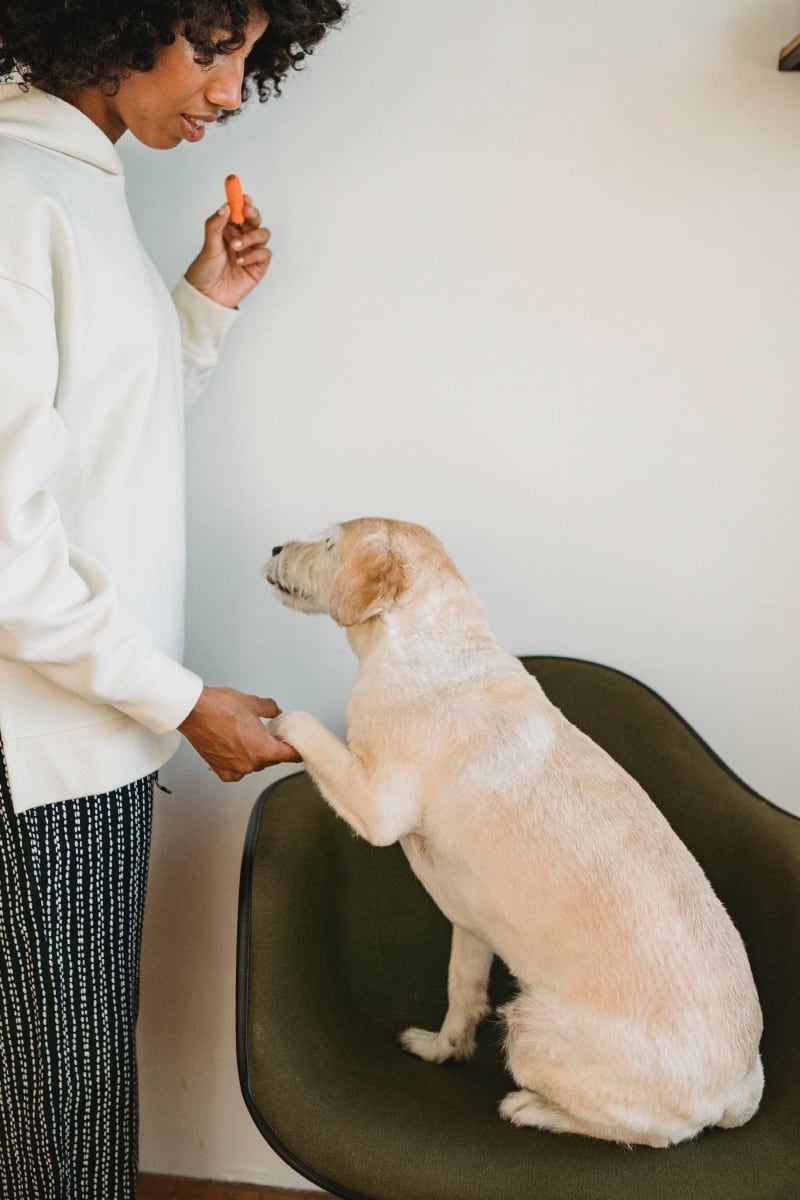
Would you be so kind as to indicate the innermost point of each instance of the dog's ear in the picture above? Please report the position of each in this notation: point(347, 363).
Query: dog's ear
point(367, 584)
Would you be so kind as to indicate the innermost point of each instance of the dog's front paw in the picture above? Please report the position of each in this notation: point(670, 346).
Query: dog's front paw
point(278, 727)
point(288, 727)
point(435, 1047)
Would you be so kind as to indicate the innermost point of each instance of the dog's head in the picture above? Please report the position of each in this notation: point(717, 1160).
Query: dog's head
point(357, 570)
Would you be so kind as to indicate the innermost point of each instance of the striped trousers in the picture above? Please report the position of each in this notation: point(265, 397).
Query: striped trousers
point(72, 888)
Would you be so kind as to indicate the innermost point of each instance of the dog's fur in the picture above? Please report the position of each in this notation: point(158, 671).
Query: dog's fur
point(637, 1018)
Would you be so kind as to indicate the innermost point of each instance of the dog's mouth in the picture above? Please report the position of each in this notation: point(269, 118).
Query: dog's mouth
point(275, 583)
point(292, 593)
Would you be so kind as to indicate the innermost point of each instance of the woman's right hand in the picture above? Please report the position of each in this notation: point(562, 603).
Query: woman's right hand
point(225, 727)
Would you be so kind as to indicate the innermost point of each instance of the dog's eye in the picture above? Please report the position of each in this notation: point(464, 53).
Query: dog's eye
point(329, 543)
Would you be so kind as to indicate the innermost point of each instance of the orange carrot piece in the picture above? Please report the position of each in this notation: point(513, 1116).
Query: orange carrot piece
point(233, 191)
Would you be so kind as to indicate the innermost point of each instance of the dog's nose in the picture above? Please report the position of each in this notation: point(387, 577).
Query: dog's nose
point(276, 551)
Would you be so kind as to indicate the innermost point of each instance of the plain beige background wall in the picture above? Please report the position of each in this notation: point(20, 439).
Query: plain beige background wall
point(535, 284)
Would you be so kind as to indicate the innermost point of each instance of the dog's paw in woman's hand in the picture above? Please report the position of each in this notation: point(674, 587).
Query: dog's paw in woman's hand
point(283, 725)
point(277, 727)
point(291, 727)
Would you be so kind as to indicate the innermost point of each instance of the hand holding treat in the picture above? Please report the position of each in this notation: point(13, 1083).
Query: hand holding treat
point(235, 255)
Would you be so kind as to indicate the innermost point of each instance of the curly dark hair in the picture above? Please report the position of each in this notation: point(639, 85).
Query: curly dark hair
point(63, 45)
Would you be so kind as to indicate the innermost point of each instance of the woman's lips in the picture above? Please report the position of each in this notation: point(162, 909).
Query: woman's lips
point(192, 130)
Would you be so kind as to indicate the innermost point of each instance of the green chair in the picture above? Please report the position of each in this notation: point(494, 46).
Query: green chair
point(340, 948)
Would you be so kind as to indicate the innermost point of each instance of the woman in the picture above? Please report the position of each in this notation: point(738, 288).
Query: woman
point(97, 364)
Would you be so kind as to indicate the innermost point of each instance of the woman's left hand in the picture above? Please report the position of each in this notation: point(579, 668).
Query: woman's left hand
point(233, 260)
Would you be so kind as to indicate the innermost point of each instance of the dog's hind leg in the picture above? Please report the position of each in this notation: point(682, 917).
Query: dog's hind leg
point(468, 974)
point(529, 1108)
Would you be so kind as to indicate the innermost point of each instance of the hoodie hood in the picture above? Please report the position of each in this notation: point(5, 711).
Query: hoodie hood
point(31, 115)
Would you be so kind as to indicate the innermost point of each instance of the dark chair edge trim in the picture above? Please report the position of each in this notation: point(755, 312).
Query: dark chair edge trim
point(242, 1002)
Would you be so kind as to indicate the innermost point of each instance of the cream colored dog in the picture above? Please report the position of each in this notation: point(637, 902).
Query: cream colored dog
point(637, 1018)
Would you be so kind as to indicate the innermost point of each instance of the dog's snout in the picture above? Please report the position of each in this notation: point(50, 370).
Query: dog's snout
point(276, 551)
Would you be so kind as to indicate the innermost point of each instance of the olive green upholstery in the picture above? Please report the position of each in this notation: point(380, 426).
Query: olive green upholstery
point(340, 948)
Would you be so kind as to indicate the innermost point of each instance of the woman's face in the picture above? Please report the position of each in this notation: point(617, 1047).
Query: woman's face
point(172, 103)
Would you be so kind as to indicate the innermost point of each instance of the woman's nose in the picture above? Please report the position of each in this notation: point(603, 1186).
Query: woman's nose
point(224, 87)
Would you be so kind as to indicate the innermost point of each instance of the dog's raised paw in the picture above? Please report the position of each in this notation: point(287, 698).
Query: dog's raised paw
point(293, 727)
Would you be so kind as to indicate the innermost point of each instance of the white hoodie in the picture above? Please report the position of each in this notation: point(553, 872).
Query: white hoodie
point(93, 354)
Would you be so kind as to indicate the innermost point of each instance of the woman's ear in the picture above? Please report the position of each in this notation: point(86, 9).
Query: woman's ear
point(368, 583)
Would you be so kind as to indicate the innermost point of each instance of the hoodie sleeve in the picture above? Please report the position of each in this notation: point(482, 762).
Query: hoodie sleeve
point(204, 324)
point(60, 612)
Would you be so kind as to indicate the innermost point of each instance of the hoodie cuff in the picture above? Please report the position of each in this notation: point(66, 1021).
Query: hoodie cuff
point(204, 323)
point(164, 694)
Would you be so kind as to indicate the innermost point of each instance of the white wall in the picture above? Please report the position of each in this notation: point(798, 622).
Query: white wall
point(536, 284)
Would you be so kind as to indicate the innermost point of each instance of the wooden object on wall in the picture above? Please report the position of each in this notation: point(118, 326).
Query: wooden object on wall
point(789, 59)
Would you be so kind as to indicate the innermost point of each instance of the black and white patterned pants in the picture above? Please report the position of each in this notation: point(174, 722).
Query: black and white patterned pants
point(72, 888)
